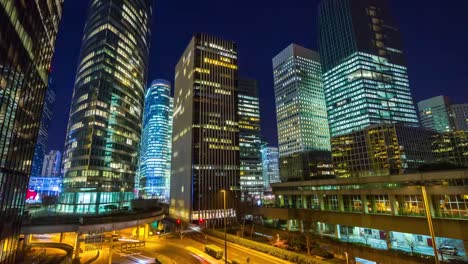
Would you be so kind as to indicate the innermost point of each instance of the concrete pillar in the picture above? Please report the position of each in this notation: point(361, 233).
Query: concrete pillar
point(393, 205)
point(340, 203)
point(146, 231)
point(321, 203)
point(465, 244)
point(26, 241)
point(77, 247)
point(304, 201)
point(337, 232)
point(431, 207)
point(364, 203)
point(138, 231)
point(388, 239)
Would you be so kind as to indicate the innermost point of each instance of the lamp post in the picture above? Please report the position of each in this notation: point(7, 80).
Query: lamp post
point(225, 217)
point(429, 222)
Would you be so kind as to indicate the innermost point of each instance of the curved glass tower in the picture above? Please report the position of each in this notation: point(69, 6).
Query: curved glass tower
point(103, 137)
point(155, 142)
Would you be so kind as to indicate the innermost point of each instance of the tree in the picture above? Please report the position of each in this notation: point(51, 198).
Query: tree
point(411, 242)
point(310, 227)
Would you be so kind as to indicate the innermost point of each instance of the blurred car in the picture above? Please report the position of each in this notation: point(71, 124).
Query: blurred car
point(448, 250)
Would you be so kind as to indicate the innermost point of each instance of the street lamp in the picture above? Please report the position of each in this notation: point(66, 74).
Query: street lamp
point(429, 222)
point(225, 217)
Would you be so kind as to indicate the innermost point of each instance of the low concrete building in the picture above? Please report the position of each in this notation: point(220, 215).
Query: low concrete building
point(383, 212)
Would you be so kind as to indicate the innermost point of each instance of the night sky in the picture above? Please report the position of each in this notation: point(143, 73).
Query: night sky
point(434, 32)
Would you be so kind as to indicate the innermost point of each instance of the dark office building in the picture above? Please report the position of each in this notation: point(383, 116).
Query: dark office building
point(42, 137)
point(451, 147)
point(104, 128)
point(381, 150)
point(205, 150)
point(251, 177)
point(306, 166)
point(27, 38)
point(364, 69)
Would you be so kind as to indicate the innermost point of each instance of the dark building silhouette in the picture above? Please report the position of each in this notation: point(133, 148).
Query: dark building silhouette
point(28, 30)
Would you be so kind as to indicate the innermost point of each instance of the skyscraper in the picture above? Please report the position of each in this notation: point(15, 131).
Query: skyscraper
point(205, 148)
point(27, 40)
point(42, 137)
point(300, 102)
point(364, 69)
point(270, 161)
point(251, 177)
point(303, 134)
point(52, 164)
point(103, 137)
point(460, 116)
point(155, 148)
point(435, 114)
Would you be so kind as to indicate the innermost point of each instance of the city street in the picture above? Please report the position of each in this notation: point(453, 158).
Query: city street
point(187, 250)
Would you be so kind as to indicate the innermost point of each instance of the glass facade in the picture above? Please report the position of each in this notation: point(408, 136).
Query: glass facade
point(42, 137)
point(451, 147)
point(251, 177)
point(381, 150)
point(103, 136)
point(52, 165)
point(155, 146)
point(27, 37)
point(300, 102)
point(364, 69)
point(270, 164)
point(205, 157)
point(460, 115)
point(435, 114)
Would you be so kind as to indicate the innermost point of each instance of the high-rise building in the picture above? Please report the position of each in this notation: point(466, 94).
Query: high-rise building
point(155, 148)
point(104, 128)
point(439, 114)
point(169, 148)
point(435, 114)
point(381, 150)
point(270, 162)
point(460, 116)
point(52, 164)
point(251, 177)
point(27, 40)
point(205, 148)
point(364, 69)
point(42, 137)
point(300, 102)
point(451, 147)
point(303, 133)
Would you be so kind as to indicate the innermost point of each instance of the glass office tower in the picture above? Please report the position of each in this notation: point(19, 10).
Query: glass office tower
point(103, 137)
point(155, 149)
point(28, 30)
point(251, 177)
point(205, 157)
point(303, 134)
point(435, 114)
point(300, 102)
point(460, 115)
point(364, 68)
point(42, 137)
point(270, 164)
